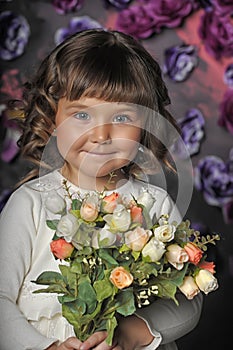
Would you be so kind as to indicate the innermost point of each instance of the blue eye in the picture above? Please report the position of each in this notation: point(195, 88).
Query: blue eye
point(121, 118)
point(82, 116)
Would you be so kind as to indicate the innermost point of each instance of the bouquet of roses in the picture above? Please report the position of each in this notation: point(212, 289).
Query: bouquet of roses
point(114, 259)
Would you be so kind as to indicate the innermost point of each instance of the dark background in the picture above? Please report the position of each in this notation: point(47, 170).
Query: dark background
point(204, 89)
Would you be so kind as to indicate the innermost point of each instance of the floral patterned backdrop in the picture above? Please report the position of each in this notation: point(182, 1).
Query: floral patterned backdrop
point(193, 42)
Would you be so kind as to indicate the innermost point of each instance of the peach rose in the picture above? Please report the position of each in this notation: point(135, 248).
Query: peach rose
point(136, 214)
point(89, 209)
point(189, 288)
point(61, 249)
point(120, 277)
point(137, 238)
point(109, 203)
point(194, 253)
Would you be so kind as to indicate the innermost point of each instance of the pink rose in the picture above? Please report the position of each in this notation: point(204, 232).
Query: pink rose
point(136, 214)
point(137, 238)
point(61, 249)
point(89, 210)
point(207, 265)
point(194, 253)
point(189, 288)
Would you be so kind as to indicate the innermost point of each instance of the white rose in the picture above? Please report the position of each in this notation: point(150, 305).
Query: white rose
point(67, 227)
point(154, 249)
point(120, 220)
point(55, 203)
point(176, 256)
point(102, 238)
point(206, 281)
point(189, 287)
point(146, 199)
point(165, 233)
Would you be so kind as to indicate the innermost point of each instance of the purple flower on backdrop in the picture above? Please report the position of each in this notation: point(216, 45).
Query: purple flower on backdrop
point(15, 32)
point(214, 178)
point(226, 111)
point(120, 4)
point(223, 7)
point(76, 24)
point(180, 61)
point(216, 31)
point(228, 75)
point(66, 6)
point(137, 21)
point(192, 132)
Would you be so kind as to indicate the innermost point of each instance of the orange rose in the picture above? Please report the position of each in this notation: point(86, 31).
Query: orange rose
point(194, 253)
point(61, 249)
point(136, 214)
point(121, 278)
point(109, 203)
point(89, 210)
point(207, 265)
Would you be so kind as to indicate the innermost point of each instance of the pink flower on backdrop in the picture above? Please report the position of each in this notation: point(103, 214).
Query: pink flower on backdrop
point(137, 21)
point(226, 111)
point(223, 6)
point(216, 31)
point(11, 84)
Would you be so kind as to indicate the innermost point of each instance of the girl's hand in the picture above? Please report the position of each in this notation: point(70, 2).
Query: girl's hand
point(71, 343)
point(97, 341)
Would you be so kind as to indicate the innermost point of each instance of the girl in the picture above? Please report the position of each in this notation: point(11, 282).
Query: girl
point(101, 96)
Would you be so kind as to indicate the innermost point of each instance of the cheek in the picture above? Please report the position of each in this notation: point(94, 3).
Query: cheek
point(68, 136)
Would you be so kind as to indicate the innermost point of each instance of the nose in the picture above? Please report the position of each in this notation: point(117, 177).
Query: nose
point(101, 134)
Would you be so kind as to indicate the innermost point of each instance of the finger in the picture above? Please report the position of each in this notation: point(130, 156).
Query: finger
point(94, 340)
point(71, 343)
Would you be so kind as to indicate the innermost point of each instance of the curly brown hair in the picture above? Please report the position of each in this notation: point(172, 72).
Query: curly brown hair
point(107, 65)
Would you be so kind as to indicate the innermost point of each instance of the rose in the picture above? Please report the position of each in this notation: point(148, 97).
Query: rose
point(206, 281)
point(137, 238)
point(109, 203)
point(189, 288)
point(65, 6)
point(67, 227)
point(228, 75)
point(15, 32)
point(207, 265)
point(102, 238)
point(137, 21)
point(153, 250)
point(226, 108)
point(180, 61)
point(176, 256)
point(61, 249)
point(136, 214)
point(194, 253)
point(213, 177)
point(76, 24)
point(120, 4)
point(192, 132)
point(120, 220)
point(146, 199)
point(165, 233)
point(120, 277)
point(216, 32)
point(55, 203)
point(169, 13)
point(89, 210)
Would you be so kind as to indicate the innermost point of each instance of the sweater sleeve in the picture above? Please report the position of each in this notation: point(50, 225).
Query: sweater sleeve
point(17, 230)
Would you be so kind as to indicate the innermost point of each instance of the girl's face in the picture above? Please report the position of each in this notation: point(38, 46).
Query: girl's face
point(96, 138)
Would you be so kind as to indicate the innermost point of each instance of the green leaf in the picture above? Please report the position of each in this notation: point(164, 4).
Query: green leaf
point(70, 277)
point(104, 289)
point(52, 224)
point(76, 204)
point(111, 325)
point(126, 301)
point(107, 257)
point(87, 293)
point(167, 289)
point(50, 277)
